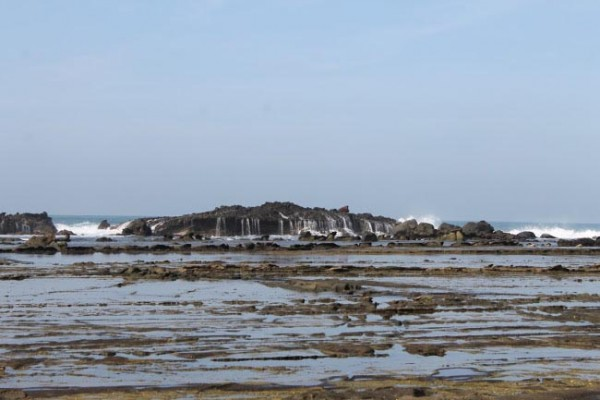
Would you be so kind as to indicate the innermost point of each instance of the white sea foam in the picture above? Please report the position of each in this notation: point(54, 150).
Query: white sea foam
point(557, 231)
point(430, 219)
point(90, 229)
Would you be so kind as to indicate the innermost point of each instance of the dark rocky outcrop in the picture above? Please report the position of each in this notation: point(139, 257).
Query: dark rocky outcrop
point(446, 228)
point(525, 236)
point(405, 230)
point(481, 229)
point(26, 224)
point(137, 227)
point(547, 236)
point(450, 232)
point(582, 242)
point(274, 218)
point(411, 229)
point(370, 237)
point(425, 230)
point(104, 224)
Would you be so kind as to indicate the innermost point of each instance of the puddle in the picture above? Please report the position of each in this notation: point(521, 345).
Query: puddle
point(458, 374)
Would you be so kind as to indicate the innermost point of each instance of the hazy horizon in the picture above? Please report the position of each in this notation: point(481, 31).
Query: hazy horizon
point(461, 109)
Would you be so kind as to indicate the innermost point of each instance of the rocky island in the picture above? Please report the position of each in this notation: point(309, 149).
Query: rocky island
point(26, 224)
point(271, 218)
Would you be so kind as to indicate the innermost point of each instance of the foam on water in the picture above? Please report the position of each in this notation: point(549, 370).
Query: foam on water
point(90, 229)
point(429, 218)
point(558, 231)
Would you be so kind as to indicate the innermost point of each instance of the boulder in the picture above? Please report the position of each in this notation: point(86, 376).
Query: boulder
point(66, 232)
point(454, 236)
point(425, 230)
point(305, 236)
point(446, 228)
point(104, 224)
point(370, 237)
point(525, 236)
point(547, 236)
point(138, 227)
point(404, 230)
point(411, 229)
point(481, 229)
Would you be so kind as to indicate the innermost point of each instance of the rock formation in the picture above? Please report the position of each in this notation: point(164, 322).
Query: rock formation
point(104, 224)
point(138, 227)
point(482, 230)
point(26, 224)
point(526, 235)
point(274, 218)
point(46, 244)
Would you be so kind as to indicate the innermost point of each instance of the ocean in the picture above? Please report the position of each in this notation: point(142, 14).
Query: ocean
point(87, 226)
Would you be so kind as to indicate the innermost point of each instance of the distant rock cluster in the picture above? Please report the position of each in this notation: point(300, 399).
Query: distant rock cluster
point(413, 230)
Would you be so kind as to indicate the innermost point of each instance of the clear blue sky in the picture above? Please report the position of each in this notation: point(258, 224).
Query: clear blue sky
point(462, 109)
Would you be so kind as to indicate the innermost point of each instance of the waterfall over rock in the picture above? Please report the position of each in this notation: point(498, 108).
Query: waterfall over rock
point(274, 218)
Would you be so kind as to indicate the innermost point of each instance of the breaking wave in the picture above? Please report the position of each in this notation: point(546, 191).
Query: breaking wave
point(558, 231)
point(90, 229)
point(430, 219)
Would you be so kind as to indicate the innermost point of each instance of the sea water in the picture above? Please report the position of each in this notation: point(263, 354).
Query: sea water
point(87, 225)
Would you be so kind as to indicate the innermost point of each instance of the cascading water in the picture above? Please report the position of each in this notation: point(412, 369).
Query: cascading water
point(255, 226)
point(221, 228)
point(250, 226)
point(331, 224)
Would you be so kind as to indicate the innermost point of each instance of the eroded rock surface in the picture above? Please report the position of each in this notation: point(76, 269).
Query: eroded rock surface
point(26, 224)
point(274, 218)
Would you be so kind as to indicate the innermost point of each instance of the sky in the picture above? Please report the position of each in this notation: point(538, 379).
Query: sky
point(463, 109)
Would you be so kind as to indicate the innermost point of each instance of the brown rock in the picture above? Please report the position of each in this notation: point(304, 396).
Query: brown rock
point(425, 350)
